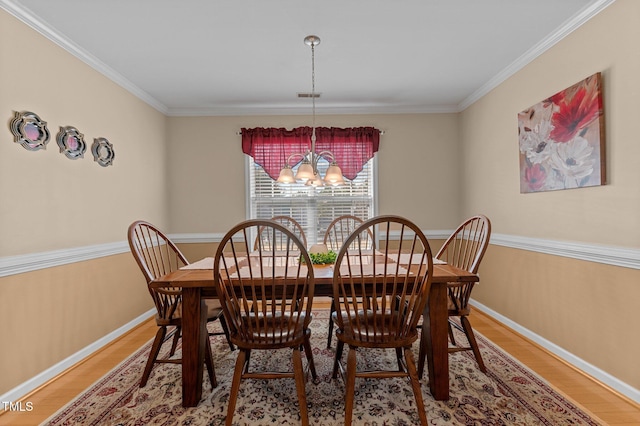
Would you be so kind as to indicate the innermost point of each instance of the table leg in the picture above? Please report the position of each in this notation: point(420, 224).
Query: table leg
point(193, 341)
point(435, 333)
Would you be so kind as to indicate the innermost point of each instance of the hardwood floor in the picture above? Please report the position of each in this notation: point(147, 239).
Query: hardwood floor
point(597, 399)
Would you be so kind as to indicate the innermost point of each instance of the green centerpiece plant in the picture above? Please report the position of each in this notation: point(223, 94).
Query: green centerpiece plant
point(328, 258)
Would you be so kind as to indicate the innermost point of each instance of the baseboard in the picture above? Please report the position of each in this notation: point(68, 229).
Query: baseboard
point(589, 369)
point(30, 385)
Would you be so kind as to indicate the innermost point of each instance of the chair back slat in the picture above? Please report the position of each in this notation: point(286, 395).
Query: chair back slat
point(378, 300)
point(266, 294)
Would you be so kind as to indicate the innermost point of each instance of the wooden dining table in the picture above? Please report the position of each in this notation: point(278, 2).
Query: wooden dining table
point(196, 280)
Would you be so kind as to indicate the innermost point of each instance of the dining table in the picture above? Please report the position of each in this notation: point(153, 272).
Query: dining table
point(197, 283)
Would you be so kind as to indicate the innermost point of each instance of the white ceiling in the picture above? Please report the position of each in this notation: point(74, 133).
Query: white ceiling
point(239, 57)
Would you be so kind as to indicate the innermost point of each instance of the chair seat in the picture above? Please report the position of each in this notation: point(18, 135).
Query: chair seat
point(274, 328)
point(380, 329)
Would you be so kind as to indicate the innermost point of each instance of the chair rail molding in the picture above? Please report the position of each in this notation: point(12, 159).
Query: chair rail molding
point(625, 257)
point(11, 265)
point(611, 255)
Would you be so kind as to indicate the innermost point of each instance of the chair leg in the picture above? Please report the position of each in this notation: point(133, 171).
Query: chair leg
point(176, 337)
point(468, 331)
point(422, 354)
point(350, 385)
point(225, 328)
point(298, 373)
point(246, 361)
point(336, 360)
point(451, 337)
point(153, 355)
point(415, 384)
point(235, 386)
point(399, 359)
point(333, 309)
point(208, 359)
point(309, 354)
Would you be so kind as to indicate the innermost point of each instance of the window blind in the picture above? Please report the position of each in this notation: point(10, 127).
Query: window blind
point(313, 208)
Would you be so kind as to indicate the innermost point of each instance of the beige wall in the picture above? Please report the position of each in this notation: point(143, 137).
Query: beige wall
point(586, 308)
point(207, 169)
point(51, 314)
point(50, 202)
point(583, 307)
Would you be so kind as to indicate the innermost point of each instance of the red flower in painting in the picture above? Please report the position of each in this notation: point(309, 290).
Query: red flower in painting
point(557, 98)
point(575, 114)
point(535, 177)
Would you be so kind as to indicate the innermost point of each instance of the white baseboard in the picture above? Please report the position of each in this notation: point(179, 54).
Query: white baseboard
point(30, 385)
point(593, 371)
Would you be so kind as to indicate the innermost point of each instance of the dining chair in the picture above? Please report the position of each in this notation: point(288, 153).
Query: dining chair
point(266, 238)
point(157, 255)
point(340, 229)
point(337, 232)
point(266, 298)
point(464, 249)
point(379, 302)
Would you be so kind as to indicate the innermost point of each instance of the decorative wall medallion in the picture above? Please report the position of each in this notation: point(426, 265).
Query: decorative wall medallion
point(103, 152)
point(29, 130)
point(71, 142)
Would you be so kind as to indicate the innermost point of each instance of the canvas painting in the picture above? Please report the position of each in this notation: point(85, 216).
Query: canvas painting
point(562, 139)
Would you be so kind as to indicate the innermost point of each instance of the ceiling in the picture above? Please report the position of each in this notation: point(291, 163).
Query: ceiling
point(248, 57)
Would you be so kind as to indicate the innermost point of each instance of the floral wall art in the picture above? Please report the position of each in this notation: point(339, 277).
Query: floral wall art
point(562, 139)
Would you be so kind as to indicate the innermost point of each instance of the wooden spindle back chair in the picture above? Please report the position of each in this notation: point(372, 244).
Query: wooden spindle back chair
point(336, 234)
point(266, 297)
point(341, 228)
point(379, 302)
point(157, 255)
point(465, 249)
point(278, 241)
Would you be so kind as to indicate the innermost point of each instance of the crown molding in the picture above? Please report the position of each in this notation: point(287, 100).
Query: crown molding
point(29, 18)
point(609, 255)
point(564, 30)
point(336, 110)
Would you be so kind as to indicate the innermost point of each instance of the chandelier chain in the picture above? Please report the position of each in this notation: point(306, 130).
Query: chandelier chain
point(313, 96)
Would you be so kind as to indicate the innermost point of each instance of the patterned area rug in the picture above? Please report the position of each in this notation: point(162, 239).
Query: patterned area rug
point(508, 394)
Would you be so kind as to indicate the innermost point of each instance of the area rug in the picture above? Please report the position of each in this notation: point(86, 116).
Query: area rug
point(509, 394)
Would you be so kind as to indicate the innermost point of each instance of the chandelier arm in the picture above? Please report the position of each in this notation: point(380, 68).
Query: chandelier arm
point(296, 154)
point(325, 154)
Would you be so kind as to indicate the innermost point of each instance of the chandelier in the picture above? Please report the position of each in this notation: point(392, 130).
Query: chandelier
point(308, 170)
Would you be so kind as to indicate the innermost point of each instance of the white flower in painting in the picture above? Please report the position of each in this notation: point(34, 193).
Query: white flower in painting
point(573, 160)
point(534, 127)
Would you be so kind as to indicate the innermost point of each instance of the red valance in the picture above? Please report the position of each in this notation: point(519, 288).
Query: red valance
point(270, 147)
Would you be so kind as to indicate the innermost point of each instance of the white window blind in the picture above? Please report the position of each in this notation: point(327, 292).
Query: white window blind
point(313, 208)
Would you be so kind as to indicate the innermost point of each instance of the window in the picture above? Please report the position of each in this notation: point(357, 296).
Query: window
point(313, 208)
